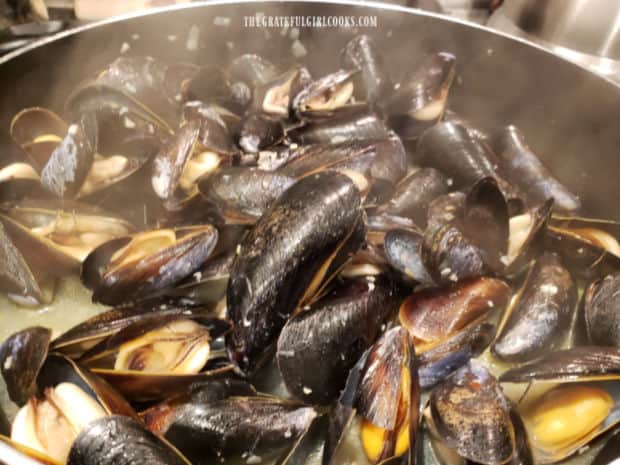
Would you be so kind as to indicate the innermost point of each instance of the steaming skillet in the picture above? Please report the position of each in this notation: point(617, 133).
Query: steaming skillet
point(566, 112)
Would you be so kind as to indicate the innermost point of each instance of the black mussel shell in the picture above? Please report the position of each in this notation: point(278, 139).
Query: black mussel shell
point(421, 97)
point(120, 271)
point(209, 84)
point(602, 311)
point(523, 168)
point(325, 94)
point(286, 259)
point(243, 194)
point(21, 357)
point(38, 131)
point(576, 364)
point(415, 192)
point(309, 442)
point(362, 53)
point(70, 162)
point(541, 314)
point(169, 163)
point(252, 69)
point(5, 427)
point(259, 131)
point(357, 123)
point(389, 394)
point(450, 147)
point(432, 315)
point(471, 415)
point(318, 347)
point(236, 424)
point(118, 440)
point(275, 97)
point(609, 454)
point(215, 134)
point(439, 362)
point(403, 251)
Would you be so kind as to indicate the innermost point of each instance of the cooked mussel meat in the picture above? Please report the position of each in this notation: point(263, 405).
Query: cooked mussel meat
point(601, 312)
point(389, 397)
point(322, 221)
point(541, 314)
point(21, 357)
point(325, 94)
point(318, 347)
point(116, 439)
point(470, 414)
point(138, 266)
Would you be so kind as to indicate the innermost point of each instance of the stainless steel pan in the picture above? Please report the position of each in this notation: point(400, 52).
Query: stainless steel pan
point(569, 114)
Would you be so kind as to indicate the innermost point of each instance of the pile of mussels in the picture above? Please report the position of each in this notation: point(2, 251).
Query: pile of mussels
point(347, 231)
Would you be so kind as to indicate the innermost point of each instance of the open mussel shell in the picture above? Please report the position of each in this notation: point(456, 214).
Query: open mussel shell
point(422, 94)
point(325, 94)
point(540, 316)
point(252, 425)
point(275, 96)
point(243, 194)
point(389, 397)
point(138, 266)
point(38, 131)
point(60, 234)
point(600, 312)
point(469, 239)
point(86, 335)
point(216, 126)
point(318, 347)
point(68, 166)
point(118, 439)
point(438, 362)
point(588, 363)
point(403, 249)
point(588, 245)
point(550, 419)
point(362, 53)
point(432, 315)
point(321, 219)
point(470, 414)
point(155, 358)
point(21, 357)
point(527, 171)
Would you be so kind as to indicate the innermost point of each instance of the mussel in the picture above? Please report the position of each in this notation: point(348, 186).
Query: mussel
point(5, 428)
point(421, 96)
point(403, 249)
point(470, 414)
point(116, 439)
point(325, 94)
point(21, 357)
point(389, 398)
point(525, 169)
point(432, 315)
point(318, 347)
point(293, 250)
point(157, 357)
point(138, 266)
point(249, 425)
point(541, 314)
point(362, 53)
point(601, 313)
point(610, 453)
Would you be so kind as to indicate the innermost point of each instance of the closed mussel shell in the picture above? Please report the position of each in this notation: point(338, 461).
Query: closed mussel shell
point(320, 218)
point(541, 314)
point(318, 347)
point(471, 415)
point(403, 251)
point(602, 313)
point(117, 439)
